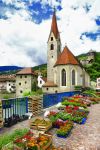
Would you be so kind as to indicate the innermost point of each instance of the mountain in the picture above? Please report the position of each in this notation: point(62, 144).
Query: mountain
point(9, 69)
point(41, 68)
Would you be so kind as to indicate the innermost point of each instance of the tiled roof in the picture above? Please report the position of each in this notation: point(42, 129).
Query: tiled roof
point(25, 71)
point(66, 57)
point(50, 84)
point(44, 79)
point(54, 27)
point(7, 77)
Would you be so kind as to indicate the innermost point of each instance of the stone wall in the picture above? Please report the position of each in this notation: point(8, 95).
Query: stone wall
point(23, 83)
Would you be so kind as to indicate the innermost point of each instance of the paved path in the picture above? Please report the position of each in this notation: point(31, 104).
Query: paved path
point(83, 137)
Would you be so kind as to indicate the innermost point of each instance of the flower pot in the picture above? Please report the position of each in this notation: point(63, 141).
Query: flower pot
point(63, 136)
point(83, 121)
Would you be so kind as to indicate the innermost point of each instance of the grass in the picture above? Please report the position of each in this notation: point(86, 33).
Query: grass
point(38, 92)
point(7, 138)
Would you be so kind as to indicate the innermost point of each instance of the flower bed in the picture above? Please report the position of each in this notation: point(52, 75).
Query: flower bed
point(42, 142)
point(7, 138)
point(64, 130)
point(21, 142)
point(58, 123)
point(74, 103)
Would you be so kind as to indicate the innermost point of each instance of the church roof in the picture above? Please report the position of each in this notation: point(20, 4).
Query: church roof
point(54, 27)
point(66, 57)
point(50, 84)
point(25, 71)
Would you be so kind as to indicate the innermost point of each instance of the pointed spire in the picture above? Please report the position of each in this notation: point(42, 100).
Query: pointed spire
point(54, 27)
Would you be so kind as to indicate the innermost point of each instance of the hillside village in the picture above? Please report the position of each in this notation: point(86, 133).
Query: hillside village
point(9, 81)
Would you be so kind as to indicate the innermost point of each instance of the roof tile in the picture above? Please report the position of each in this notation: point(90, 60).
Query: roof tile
point(50, 84)
point(25, 71)
point(66, 57)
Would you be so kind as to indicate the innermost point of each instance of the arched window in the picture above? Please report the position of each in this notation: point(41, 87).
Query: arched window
point(63, 73)
point(73, 77)
point(52, 47)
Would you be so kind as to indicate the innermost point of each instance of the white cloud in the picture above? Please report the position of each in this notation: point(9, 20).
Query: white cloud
point(24, 43)
point(17, 3)
point(75, 22)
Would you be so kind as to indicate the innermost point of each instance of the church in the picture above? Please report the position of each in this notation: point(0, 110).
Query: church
point(64, 71)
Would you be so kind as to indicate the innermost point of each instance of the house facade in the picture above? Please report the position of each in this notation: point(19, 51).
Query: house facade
point(98, 84)
point(24, 81)
point(64, 71)
point(7, 83)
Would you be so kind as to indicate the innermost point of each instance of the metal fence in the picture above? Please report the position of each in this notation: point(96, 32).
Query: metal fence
point(52, 99)
point(14, 106)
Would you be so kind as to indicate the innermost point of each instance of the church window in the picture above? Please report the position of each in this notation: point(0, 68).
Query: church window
point(19, 83)
point(25, 76)
point(51, 38)
point(63, 77)
point(52, 47)
point(73, 77)
point(47, 89)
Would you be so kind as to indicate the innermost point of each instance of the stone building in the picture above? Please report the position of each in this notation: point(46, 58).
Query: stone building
point(89, 58)
point(24, 81)
point(98, 84)
point(64, 71)
point(7, 83)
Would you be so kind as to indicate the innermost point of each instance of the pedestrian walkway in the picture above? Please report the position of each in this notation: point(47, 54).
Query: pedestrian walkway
point(83, 137)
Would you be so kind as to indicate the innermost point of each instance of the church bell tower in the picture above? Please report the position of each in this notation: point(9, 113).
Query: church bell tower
point(54, 48)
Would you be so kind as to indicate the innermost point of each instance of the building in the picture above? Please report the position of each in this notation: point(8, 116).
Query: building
point(41, 81)
point(64, 71)
point(24, 81)
point(98, 84)
point(89, 59)
point(7, 83)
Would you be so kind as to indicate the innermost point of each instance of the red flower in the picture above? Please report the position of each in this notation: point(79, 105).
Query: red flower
point(18, 140)
point(76, 107)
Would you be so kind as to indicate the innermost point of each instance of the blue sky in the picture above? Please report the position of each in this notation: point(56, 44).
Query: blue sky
point(25, 27)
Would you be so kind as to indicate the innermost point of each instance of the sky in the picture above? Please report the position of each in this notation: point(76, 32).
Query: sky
point(25, 26)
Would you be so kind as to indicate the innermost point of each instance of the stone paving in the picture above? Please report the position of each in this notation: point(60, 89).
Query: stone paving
point(82, 137)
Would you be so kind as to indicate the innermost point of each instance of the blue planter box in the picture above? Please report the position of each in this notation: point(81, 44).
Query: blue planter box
point(62, 136)
point(83, 121)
